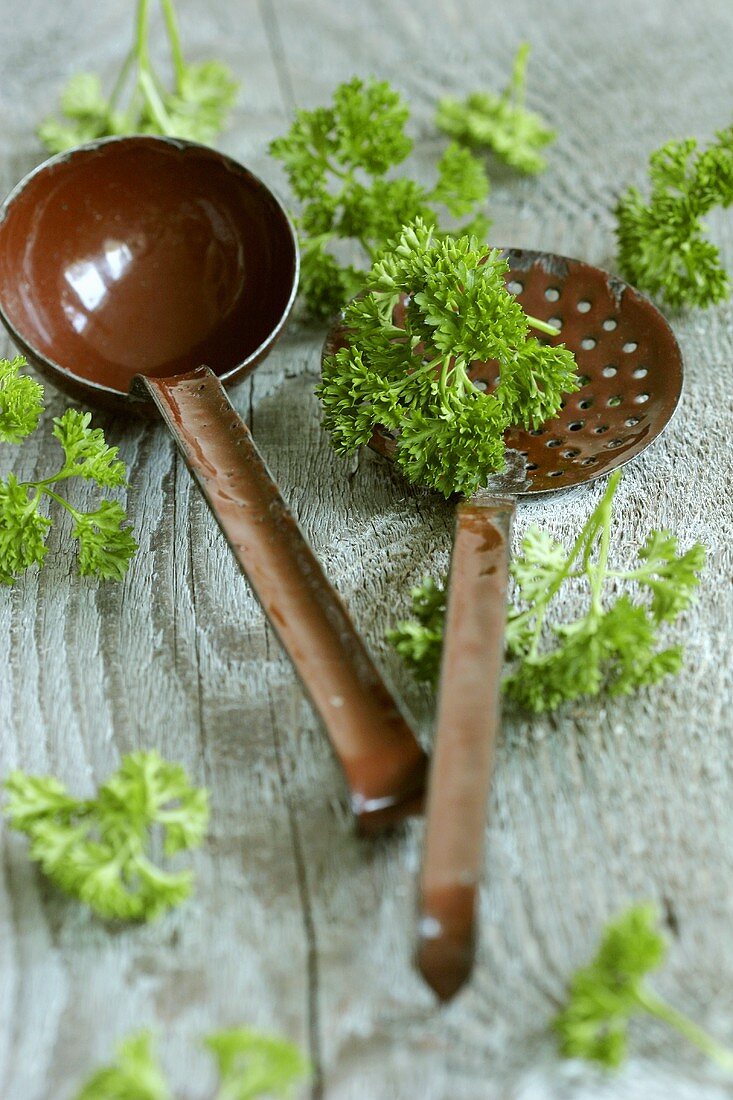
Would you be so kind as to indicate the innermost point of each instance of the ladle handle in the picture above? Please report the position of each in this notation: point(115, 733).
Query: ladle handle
point(382, 761)
point(467, 726)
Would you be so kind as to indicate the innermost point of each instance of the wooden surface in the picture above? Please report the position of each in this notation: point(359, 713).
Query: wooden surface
point(296, 925)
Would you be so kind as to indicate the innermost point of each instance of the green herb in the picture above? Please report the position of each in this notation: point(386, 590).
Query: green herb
point(414, 380)
point(135, 1075)
point(196, 108)
point(105, 544)
point(612, 648)
point(604, 996)
point(501, 123)
point(99, 849)
point(662, 247)
point(337, 159)
point(21, 401)
point(419, 640)
point(251, 1066)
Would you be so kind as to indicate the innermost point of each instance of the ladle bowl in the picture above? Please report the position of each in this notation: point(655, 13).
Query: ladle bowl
point(141, 274)
point(630, 370)
point(144, 256)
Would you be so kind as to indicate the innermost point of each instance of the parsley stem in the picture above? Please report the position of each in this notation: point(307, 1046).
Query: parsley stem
point(60, 500)
point(121, 77)
point(584, 541)
point(445, 370)
point(174, 37)
point(32, 502)
point(64, 473)
point(659, 1008)
point(339, 173)
point(461, 376)
point(370, 250)
point(543, 326)
point(426, 368)
point(539, 608)
point(598, 574)
point(516, 88)
point(643, 572)
point(153, 100)
point(145, 74)
point(141, 34)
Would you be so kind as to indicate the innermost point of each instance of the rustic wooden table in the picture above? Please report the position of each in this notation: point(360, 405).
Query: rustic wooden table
point(296, 925)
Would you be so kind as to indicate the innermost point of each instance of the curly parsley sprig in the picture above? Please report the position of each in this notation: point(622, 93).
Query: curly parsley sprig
point(134, 1075)
point(337, 160)
point(501, 123)
point(251, 1066)
point(613, 647)
point(98, 850)
point(106, 544)
point(21, 401)
point(662, 247)
point(196, 108)
point(412, 377)
point(605, 995)
point(419, 641)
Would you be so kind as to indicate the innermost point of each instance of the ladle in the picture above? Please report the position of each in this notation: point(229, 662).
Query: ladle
point(631, 377)
point(125, 265)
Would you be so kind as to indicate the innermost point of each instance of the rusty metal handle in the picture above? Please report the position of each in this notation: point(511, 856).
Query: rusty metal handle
point(467, 727)
point(380, 756)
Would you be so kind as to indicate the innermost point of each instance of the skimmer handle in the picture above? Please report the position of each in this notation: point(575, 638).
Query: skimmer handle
point(467, 727)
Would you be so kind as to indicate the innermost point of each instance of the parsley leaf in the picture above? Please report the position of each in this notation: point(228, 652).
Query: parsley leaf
point(255, 1065)
point(413, 379)
point(669, 576)
point(106, 545)
point(21, 401)
point(605, 995)
point(22, 529)
point(662, 247)
point(135, 1075)
point(86, 453)
point(461, 184)
point(196, 108)
point(419, 641)
point(610, 648)
point(251, 1065)
point(337, 160)
point(87, 115)
point(501, 123)
point(98, 850)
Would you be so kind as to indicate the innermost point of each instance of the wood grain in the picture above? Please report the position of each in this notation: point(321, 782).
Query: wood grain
point(296, 924)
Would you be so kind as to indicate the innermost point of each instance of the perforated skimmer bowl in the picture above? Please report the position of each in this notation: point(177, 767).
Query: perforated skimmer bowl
point(629, 364)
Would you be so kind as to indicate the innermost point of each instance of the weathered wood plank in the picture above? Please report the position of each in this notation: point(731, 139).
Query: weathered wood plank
point(296, 924)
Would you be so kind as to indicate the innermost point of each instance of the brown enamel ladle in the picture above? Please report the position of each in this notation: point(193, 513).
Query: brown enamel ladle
point(631, 378)
point(124, 266)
